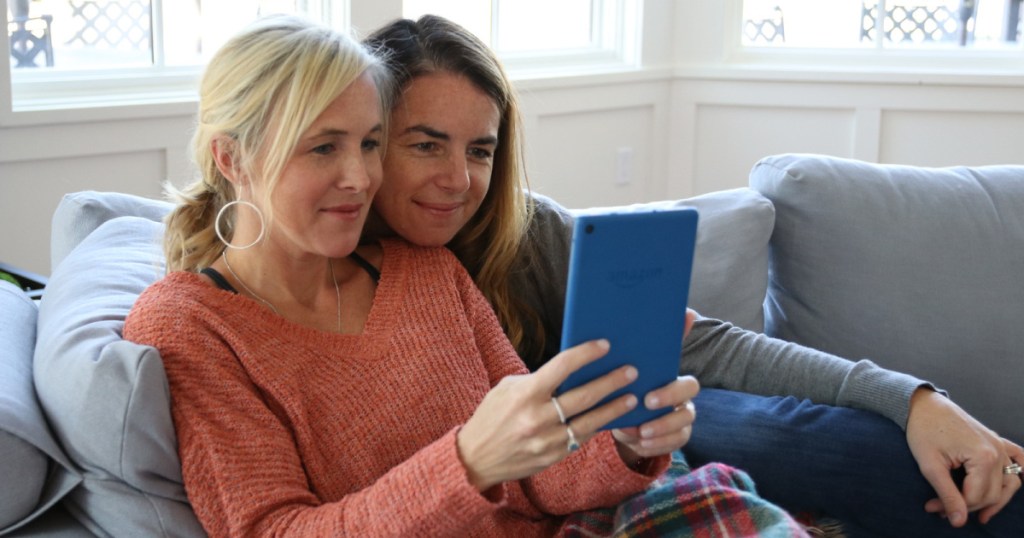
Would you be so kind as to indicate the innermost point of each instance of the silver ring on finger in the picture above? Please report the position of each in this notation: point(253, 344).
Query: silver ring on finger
point(1014, 468)
point(558, 409)
point(574, 445)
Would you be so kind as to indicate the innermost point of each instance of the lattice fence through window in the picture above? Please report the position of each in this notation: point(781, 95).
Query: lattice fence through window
point(766, 30)
point(911, 23)
point(112, 24)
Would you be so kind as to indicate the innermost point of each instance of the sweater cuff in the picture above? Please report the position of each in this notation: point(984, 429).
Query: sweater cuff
point(882, 391)
point(649, 469)
point(465, 501)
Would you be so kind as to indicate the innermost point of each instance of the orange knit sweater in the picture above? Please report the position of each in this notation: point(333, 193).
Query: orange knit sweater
point(286, 430)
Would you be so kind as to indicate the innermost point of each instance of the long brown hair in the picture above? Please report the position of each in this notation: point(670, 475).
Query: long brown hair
point(489, 244)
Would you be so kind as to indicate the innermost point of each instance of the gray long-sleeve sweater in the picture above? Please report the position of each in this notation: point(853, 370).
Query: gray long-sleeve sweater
point(718, 353)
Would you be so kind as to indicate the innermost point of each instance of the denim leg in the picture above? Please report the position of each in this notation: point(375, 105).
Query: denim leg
point(850, 464)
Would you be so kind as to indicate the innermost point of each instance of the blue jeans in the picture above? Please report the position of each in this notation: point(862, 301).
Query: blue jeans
point(851, 465)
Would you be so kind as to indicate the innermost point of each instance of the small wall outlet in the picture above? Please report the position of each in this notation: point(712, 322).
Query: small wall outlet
point(624, 166)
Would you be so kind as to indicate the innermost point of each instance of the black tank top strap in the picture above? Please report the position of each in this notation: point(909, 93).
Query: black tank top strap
point(218, 279)
point(361, 261)
point(223, 283)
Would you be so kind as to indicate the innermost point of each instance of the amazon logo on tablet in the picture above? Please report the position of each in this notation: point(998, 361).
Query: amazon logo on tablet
point(629, 278)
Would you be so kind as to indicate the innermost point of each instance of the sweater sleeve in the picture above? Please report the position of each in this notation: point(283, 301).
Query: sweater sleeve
point(241, 468)
point(716, 352)
point(595, 476)
point(725, 356)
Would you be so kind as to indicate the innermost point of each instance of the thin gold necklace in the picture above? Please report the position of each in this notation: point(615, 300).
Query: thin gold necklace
point(330, 266)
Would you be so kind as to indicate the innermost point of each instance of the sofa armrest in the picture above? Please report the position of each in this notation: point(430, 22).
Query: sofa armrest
point(32, 283)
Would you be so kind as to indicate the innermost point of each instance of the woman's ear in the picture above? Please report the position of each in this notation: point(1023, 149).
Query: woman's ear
point(223, 149)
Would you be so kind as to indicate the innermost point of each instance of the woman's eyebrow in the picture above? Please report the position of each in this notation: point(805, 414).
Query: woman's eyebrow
point(486, 141)
point(441, 135)
point(331, 131)
point(429, 131)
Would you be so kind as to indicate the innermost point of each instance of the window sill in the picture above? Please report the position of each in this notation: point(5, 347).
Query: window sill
point(853, 75)
point(46, 98)
point(54, 109)
point(41, 112)
point(547, 80)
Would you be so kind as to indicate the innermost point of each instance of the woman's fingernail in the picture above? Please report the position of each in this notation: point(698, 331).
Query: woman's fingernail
point(652, 401)
point(631, 373)
point(631, 401)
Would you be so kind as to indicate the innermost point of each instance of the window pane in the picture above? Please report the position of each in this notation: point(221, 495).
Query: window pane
point(523, 26)
point(990, 24)
point(535, 25)
point(473, 15)
point(109, 34)
point(81, 33)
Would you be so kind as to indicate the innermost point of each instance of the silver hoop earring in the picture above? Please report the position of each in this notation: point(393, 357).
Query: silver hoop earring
point(216, 224)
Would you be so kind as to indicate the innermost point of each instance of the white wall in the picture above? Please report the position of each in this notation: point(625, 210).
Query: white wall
point(692, 124)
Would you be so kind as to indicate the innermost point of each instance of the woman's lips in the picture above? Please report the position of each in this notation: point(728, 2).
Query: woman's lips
point(344, 210)
point(440, 209)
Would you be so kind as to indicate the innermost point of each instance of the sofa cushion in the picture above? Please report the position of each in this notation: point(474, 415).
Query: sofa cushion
point(25, 465)
point(28, 449)
point(79, 213)
point(107, 398)
point(919, 269)
point(730, 261)
point(20, 418)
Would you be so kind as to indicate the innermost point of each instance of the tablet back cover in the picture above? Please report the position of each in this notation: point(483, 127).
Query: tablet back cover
point(629, 280)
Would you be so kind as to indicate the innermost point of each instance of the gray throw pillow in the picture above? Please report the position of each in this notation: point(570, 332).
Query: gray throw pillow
point(919, 269)
point(79, 213)
point(107, 398)
point(730, 262)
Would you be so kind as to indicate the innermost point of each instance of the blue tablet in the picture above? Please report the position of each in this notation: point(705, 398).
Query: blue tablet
point(629, 279)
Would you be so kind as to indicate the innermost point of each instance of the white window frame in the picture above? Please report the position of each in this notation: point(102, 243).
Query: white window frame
point(951, 65)
point(36, 97)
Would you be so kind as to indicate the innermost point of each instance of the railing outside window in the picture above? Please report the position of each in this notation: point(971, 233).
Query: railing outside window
point(983, 24)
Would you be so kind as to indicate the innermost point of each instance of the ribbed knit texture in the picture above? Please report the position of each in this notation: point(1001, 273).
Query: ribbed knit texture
point(287, 430)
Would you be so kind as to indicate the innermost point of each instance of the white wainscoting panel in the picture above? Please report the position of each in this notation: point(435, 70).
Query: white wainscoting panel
point(952, 138)
point(575, 129)
point(730, 139)
point(576, 156)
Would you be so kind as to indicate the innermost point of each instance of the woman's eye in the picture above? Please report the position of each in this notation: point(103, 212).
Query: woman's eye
point(480, 153)
point(425, 146)
point(324, 149)
point(370, 144)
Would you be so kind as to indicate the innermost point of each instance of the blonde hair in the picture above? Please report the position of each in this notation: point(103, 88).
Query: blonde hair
point(489, 244)
point(258, 94)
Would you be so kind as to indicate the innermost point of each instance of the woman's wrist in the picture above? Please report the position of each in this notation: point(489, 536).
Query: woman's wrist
point(630, 458)
point(474, 476)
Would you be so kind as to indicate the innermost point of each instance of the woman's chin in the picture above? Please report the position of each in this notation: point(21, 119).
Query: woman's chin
point(427, 238)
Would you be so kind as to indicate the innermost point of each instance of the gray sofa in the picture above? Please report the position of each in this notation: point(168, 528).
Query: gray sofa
point(921, 270)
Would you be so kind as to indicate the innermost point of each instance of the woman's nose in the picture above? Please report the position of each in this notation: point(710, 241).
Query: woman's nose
point(354, 175)
point(456, 177)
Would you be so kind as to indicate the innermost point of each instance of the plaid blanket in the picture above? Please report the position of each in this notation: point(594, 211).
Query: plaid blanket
point(713, 501)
